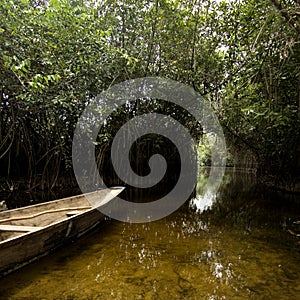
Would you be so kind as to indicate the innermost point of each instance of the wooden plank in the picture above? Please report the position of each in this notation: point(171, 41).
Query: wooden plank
point(43, 213)
point(18, 228)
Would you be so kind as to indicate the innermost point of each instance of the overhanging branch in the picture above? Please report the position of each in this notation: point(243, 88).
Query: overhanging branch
point(286, 15)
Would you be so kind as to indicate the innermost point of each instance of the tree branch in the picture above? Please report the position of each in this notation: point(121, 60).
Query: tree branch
point(286, 15)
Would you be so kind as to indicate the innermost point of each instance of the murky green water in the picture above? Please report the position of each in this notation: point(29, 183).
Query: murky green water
point(240, 249)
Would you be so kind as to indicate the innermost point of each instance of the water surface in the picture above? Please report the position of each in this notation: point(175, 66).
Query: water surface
point(238, 249)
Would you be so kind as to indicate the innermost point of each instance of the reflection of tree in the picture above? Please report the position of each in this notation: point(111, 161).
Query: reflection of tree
point(244, 203)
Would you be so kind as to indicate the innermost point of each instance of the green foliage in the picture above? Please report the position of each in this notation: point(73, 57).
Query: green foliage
point(261, 105)
point(243, 56)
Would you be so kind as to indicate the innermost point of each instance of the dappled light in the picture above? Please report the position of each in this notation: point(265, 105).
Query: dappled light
point(188, 255)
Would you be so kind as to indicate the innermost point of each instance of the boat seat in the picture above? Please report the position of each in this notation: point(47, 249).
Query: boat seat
point(18, 228)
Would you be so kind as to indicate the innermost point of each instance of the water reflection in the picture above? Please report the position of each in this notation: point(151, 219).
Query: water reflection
point(201, 203)
point(236, 249)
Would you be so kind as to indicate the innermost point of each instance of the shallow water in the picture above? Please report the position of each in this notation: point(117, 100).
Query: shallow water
point(239, 249)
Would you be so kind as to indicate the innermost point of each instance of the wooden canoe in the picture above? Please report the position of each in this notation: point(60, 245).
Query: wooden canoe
point(30, 232)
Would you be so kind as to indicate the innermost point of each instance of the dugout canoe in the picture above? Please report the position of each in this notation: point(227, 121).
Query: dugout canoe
point(30, 232)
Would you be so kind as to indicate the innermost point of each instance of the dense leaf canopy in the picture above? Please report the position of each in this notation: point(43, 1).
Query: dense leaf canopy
point(242, 56)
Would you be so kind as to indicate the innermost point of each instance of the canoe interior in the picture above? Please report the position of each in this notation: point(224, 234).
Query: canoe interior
point(5, 235)
point(45, 214)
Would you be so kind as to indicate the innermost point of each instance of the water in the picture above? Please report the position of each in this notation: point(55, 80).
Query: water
point(239, 249)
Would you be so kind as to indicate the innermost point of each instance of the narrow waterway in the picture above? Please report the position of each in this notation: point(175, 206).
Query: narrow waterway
point(240, 248)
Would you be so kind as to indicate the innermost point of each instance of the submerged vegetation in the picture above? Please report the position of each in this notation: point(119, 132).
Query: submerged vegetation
point(56, 55)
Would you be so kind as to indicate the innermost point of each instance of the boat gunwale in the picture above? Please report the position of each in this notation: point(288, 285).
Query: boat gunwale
point(47, 202)
point(43, 228)
point(93, 216)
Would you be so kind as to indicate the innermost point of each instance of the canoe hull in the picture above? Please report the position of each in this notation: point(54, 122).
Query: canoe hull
point(27, 247)
point(20, 251)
